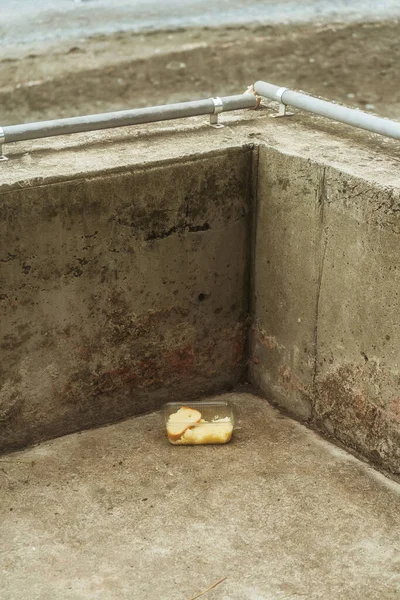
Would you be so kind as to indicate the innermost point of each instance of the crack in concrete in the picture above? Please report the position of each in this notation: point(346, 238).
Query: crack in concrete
point(254, 177)
point(322, 240)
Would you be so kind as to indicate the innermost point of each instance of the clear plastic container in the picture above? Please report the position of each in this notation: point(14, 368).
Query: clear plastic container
point(199, 422)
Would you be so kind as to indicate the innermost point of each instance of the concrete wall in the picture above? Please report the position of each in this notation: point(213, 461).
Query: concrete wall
point(326, 332)
point(121, 291)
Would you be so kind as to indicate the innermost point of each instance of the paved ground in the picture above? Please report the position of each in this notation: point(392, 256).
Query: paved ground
point(40, 20)
point(119, 513)
point(353, 64)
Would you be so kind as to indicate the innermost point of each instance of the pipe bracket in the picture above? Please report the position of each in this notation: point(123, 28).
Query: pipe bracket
point(218, 108)
point(2, 141)
point(282, 106)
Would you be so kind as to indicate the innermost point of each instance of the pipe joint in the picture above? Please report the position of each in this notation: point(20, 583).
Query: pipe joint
point(3, 158)
point(279, 94)
point(330, 110)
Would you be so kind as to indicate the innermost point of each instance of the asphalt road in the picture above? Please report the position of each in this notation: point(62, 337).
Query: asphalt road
point(30, 21)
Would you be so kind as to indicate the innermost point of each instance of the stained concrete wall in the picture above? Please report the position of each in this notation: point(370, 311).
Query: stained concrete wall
point(326, 331)
point(128, 285)
point(121, 291)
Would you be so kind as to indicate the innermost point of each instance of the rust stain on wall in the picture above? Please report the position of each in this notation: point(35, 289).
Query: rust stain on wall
point(355, 402)
point(269, 341)
point(343, 404)
point(289, 381)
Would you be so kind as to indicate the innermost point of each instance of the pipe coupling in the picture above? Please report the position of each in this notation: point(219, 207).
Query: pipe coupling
point(280, 92)
point(218, 105)
point(2, 136)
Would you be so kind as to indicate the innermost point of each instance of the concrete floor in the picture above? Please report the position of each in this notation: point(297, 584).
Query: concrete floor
point(119, 513)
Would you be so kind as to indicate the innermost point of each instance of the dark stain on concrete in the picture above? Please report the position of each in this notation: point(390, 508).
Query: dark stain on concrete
point(350, 403)
point(177, 229)
point(118, 268)
point(343, 407)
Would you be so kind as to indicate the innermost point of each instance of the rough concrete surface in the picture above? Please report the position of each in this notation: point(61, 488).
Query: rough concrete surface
point(305, 164)
point(357, 371)
point(119, 513)
point(326, 297)
point(120, 291)
point(285, 266)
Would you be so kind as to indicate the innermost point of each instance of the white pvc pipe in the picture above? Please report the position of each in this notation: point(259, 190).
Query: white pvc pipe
point(350, 116)
point(211, 106)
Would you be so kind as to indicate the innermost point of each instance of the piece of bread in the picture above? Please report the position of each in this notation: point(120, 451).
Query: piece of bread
point(216, 432)
point(178, 422)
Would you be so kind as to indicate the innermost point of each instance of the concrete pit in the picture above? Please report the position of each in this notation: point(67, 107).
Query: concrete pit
point(174, 261)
